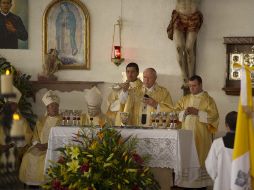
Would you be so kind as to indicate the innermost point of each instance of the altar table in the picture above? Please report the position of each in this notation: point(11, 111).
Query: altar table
point(167, 148)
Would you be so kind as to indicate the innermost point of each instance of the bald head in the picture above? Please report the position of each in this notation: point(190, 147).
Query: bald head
point(149, 77)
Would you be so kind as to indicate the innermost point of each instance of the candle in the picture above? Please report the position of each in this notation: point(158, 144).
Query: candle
point(17, 129)
point(6, 83)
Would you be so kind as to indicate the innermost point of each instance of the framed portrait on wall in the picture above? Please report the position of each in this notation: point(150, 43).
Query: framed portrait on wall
point(13, 24)
point(66, 29)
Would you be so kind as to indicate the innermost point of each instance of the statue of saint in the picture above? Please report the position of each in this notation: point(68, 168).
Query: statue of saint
point(50, 66)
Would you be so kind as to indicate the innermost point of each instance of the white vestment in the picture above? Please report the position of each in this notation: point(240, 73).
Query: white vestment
point(218, 165)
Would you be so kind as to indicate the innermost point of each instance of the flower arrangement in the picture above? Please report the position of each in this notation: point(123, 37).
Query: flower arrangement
point(102, 160)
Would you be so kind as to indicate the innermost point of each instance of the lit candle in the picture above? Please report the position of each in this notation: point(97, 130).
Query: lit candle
point(17, 129)
point(6, 83)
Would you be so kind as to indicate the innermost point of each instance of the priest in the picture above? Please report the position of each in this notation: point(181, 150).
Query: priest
point(32, 166)
point(198, 112)
point(95, 116)
point(117, 99)
point(150, 98)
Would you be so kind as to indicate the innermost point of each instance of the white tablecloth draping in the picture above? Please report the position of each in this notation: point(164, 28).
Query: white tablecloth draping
point(167, 148)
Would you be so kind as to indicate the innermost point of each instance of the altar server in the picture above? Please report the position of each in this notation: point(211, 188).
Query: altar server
point(219, 159)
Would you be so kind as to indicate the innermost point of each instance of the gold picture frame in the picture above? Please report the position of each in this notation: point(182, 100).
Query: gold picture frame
point(66, 28)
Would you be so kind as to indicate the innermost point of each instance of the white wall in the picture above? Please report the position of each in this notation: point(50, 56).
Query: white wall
point(145, 41)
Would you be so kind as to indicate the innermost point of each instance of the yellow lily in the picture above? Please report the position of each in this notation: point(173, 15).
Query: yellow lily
point(73, 165)
point(74, 152)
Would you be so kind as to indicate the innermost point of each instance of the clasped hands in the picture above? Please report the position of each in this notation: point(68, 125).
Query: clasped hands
point(191, 111)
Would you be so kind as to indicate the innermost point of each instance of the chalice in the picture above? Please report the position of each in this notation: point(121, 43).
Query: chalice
point(153, 117)
point(124, 116)
point(164, 116)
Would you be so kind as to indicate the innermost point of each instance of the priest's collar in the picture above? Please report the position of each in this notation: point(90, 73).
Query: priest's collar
point(199, 94)
point(5, 14)
point(53, 116)
point(135, 83)
point(150, 89)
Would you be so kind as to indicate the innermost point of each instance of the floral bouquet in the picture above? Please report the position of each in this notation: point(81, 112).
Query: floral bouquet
point(101, 160)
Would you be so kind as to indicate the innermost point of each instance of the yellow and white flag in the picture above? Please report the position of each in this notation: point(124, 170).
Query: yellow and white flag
point(242, 174)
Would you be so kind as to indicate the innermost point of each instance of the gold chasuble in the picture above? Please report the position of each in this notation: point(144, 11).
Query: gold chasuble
point(203, 124)
point(116, 103)
point(32, 166)
point(134, 103)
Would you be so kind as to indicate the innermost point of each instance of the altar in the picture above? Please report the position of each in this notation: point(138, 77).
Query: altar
point(167, 148)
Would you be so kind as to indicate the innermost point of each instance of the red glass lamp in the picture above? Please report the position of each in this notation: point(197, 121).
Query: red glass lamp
point(116, 54)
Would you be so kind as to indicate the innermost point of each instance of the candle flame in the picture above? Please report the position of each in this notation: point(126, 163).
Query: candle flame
point(15, 116)
point(7, 72)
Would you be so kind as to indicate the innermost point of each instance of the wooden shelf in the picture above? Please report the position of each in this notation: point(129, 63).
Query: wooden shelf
point(232, 87)
point(232, 91)
point(64, 86)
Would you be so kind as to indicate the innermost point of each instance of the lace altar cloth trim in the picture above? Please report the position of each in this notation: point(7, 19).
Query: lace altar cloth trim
point(162, 152)
point(160, 147)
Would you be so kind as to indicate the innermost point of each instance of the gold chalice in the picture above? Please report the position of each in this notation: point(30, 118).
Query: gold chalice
point(124, 116)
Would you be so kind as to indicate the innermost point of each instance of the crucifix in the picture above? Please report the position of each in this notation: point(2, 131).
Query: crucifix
point(185, 23)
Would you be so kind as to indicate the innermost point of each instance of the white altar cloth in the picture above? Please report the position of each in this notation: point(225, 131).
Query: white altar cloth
point(167, 148)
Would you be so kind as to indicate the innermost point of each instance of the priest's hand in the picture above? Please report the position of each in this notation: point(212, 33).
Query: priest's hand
point(191, 111)
point(10, 27)
point(151, 102)
point(42, 147)
point(125, 86)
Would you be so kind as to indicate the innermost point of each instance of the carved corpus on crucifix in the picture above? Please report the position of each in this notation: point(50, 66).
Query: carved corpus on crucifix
point(185, 23)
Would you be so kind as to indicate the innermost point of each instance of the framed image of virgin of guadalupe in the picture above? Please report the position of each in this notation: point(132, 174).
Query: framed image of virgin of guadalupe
point(66, 25)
